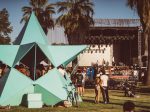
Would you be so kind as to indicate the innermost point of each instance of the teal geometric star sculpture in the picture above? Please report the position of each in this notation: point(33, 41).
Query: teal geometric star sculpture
point(30, 48)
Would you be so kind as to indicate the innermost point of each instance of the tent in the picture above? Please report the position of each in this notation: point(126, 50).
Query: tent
point(30, 48)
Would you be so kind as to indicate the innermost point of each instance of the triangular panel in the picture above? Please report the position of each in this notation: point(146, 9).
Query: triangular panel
point(61, 54)
point(54, 82)
point(34, 32)
point(68, 61)
point(16, 82)
point(8, 53)
point(47, 97)
point(20, 36)
point(45, 50)
point(3, 81)
point(19, 98)
point(23, 50)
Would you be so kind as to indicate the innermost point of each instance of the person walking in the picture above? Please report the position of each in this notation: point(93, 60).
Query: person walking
point(104, 86)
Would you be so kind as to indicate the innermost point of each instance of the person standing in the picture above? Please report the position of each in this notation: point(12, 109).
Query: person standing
point(104, 86)
point(61, 69)
point(83, 80)
point(79, 78)
point(97, 89)
point(95, 68)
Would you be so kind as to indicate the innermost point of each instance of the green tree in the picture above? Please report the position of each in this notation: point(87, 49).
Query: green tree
point(76, 18)
point(143, 9)
point(43, 11)
point(5, 27)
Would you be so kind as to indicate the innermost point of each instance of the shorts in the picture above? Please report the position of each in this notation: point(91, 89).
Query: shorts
point(79, 84)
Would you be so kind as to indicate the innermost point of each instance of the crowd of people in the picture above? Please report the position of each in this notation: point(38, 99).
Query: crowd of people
point(31, 72)
point(98, 75)
point(100, 81)
point(40, 70)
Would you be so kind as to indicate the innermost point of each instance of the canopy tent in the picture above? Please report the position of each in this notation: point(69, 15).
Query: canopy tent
point(31, 47)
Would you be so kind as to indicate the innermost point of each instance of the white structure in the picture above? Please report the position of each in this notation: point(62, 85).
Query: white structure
point(96, 55)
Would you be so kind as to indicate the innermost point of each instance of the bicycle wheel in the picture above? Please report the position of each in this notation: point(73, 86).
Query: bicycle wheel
point(76, 99)
point(70, 98)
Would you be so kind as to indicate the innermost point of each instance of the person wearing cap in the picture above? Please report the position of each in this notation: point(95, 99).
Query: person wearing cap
point(104, 86)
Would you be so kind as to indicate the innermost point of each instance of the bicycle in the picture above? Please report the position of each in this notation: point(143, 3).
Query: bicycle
point(72, 96)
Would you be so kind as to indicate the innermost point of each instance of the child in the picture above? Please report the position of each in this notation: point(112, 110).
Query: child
point(97, 89)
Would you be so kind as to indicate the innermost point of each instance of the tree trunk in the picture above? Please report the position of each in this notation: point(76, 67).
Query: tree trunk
point(148, 71)
point(146, 44)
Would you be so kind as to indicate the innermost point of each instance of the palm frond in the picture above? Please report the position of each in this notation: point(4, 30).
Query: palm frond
point(77, 16)
point(42, 10)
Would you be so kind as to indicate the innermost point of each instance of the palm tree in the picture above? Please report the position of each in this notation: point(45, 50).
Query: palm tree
point(43, 11)
point(76, 17)
point(143, 9)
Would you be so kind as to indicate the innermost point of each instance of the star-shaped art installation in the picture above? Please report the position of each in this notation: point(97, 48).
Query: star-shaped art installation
point(30, 48)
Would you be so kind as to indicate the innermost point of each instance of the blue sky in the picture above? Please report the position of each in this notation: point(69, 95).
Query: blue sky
point(116, 9)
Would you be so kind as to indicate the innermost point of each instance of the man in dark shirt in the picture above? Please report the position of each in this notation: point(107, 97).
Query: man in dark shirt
point(95, 71)
point(79, 82)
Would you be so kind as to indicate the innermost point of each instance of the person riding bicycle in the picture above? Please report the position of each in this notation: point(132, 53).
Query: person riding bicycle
point(129, 89)
point(73, 97)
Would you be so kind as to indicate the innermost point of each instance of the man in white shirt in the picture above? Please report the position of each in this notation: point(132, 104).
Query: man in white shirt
point(104, 86)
